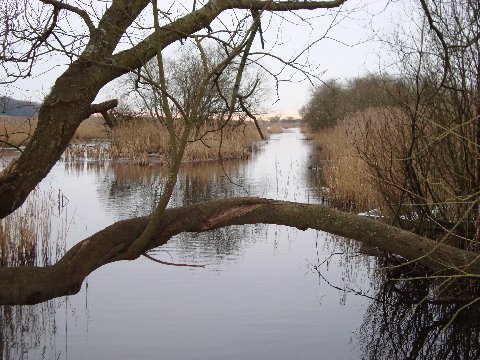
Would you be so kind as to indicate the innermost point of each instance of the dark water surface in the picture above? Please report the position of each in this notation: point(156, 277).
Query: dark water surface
point(267, 292)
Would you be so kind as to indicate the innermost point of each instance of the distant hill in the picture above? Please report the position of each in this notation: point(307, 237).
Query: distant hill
point(13, 107)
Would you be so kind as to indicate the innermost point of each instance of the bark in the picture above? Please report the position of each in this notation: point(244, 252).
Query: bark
point(29, 285)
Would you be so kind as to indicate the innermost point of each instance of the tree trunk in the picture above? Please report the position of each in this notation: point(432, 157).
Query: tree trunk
point(60, 115)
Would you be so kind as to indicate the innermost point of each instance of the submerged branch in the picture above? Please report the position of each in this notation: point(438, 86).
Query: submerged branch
point(29, 285)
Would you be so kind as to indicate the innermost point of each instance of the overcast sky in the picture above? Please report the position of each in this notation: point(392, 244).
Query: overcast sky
point(346, 52)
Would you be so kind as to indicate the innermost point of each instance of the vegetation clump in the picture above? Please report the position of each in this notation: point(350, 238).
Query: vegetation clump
point(143, 140)
point(412, 149)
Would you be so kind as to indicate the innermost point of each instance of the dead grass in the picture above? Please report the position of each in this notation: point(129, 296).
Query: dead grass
point(350, 185)
point(143, 140)
point(27, 239)
point(274, 128)
point(92, 128)
point(15, 131)
point(26, 234)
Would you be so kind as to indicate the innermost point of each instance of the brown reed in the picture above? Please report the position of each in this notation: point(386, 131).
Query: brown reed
point(347, 176)
point(144, 141)
point(28, 238)
point(16, 131)
point(26, 234)
point(92, 128)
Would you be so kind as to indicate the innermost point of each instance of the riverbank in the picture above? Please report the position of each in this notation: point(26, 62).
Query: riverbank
point(143, 141)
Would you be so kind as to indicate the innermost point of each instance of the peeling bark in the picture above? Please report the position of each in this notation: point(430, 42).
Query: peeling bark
point(29, 285)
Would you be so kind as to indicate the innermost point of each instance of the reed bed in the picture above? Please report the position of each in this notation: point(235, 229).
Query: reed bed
point(274, 128)
point(144, 140)
point(92, 128)
point(29, 237)
point(349, 184)
point(26, 235)
point(96, 150)
point(141, 140)
point(16, 131)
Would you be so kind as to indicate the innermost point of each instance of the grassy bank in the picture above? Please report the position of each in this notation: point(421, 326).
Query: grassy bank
point(142, 140)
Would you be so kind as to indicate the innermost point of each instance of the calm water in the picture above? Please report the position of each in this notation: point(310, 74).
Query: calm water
point(267, 292)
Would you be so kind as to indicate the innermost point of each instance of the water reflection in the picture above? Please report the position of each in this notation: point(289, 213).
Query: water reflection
point(421, 319)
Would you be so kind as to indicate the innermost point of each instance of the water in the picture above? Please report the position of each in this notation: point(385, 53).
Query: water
point(267, 292)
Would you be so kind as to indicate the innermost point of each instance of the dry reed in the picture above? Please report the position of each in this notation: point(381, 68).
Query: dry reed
point(92, 128)
point(141, 140)
point(16, 131)
point(144, 140)
point(26, 240)
point(349, 183)
point(26, 234)
point(274, 128)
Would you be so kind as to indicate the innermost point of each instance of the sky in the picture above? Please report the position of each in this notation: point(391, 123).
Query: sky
point(346, 51)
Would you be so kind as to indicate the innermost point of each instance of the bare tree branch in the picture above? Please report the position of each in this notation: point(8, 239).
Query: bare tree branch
point(82, 13)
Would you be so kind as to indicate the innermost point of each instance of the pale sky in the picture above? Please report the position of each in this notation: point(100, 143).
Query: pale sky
point(345, 53)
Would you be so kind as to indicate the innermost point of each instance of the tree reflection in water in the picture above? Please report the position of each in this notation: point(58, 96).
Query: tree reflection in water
point(124, 184)
point(131, 190)
point(421, 319)
point(406, 318)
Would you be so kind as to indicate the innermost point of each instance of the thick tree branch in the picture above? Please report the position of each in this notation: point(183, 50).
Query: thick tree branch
point(104, 106)
point(28, 285)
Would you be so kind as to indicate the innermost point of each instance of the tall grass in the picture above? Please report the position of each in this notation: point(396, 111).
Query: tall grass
point(26, 237)
point(347, 176)
point(274, 128)
point(371, 157)
point(92, 128)
point(16, 131)
point(142, 138)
